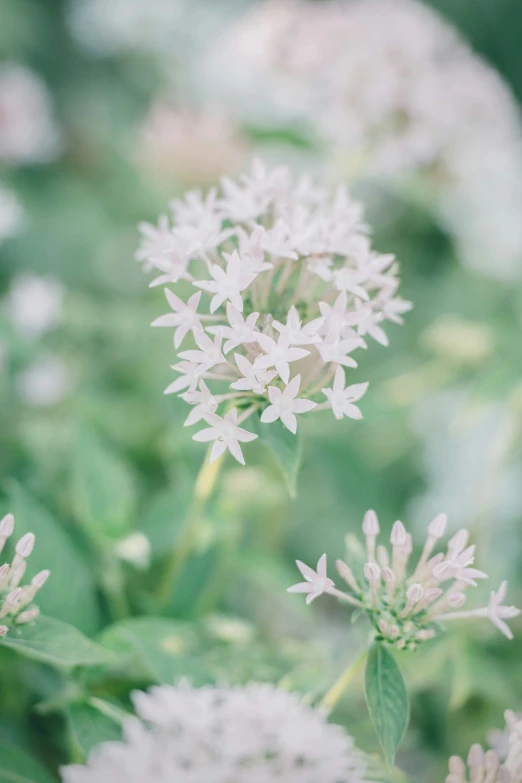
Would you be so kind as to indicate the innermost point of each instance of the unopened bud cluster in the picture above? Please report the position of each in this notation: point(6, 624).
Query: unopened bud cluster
point(406, 605)
point(16, 603)
point(488, 766)
point(280, 286)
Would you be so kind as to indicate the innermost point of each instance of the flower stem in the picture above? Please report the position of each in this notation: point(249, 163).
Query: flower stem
point(203, 488)
point(331, 698)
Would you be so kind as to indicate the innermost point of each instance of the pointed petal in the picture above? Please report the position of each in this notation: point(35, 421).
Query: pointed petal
point(290, 421)
point(270, 414)
point(308, 573)
point(303, 406)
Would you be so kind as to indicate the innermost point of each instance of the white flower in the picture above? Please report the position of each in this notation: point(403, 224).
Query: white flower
point(185, 317)
point(241, 330)
point(226, 433)
point(408, 608)
point(35, 304)
point(284, 405)
point(204, 403)
point(297, 333)
point(45, 382)
point(342, 399)
point(134, 549)
point(208, 356)
point(227, 285)
point(278, 354)
point(261, 238)
point(253, 733)
point(367, 320)
point(16, 602)
point(317, 582)
point(253, 380)
point(496, 765)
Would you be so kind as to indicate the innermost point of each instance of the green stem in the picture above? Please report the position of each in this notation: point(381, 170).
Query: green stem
point(204, 486)
point(331, 698)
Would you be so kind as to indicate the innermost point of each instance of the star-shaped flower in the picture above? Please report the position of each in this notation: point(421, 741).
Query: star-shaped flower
point(278, 354)
point(227, 435)
point(498, 613)
point(227, 284)
point(342, 399)
point(336, 318)
point(251, 250)
point(241, 330)
point(285, 405)
point(209, 354)
point(204, 403)
point(155, 240)
point(296, 332)
point(188, 379)
point(367, 321)
point(278, 241)
point(351, 280)
point(185, 317)
point(316, 583)
point(334, 349)
point(253, 380)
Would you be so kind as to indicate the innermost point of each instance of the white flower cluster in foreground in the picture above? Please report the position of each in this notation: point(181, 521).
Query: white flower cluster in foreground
point(489, 766)
point(250, 734)
point(287, 288)
point(28, 131)
point(396, 91)
point(15, 601)
point(407, 605)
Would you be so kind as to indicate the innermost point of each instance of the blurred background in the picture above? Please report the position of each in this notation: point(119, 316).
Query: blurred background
point(109, 108)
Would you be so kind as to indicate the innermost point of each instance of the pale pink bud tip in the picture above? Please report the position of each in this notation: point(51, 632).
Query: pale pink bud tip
point(27, 617)
point(372, 572)
point(414, 593)
point(437, 526)
point(3, 630)
point(4, 570)
point(388, 575)
point(40, 579)
point(370, 524)
point(14, 596)
point(456, 600)
point(398, 534)
point(25, 546)
point(476, 756)
point(7, 526)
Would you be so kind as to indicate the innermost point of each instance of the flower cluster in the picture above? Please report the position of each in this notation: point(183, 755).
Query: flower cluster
point(248, 734)
point(28, 131)
point(406, 606)
point(288, 287)
point(491, 766)
point(15, 601)
point(392, 91)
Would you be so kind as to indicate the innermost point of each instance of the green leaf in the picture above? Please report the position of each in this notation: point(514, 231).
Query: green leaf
point(56, 643)
point(166, 649)
point(286, 448)
point(103, 488)
point(90, 727)
point(70, 592)
point(16, 766)
point(162, 522)
point(387, 699)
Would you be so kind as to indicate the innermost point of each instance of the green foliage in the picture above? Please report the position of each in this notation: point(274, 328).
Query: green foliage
point(103, 490)
point(17, 766)
point(70, 593)
point(90, 726)
point(284, 446)
point(54, 642)
point(387, 699)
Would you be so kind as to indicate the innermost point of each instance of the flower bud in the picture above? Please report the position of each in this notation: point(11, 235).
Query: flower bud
point(414, 593)
point(40, 579)
point(27, 617)
point(372, 572)
point(4, 571)
point(476, 756)
point(13, 597)
point(25, 546)
point(370, 524)
point(6, 526)
point(456, 600)
point(3, 630)
point(388, 575)
point(398, 534)
point(437, 526)
point(432, 594)
point(345, 572)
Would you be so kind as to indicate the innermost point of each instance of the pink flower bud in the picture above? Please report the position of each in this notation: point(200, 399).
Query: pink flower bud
point(27, 617)
point(398, 534)
point(3, 630)
point(433, 593)
point(456, 600)
point(40, 579)
point(4, 570)
point(414, 593)
point(7, 526)
point(476, 756)
point(388, 575)
point(25, 546)
point(13, 597)
point(370, 524)
point(437, 526)
point(372, 572)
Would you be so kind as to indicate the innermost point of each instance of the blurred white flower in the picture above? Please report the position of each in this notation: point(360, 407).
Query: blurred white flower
point(135, 549)
point(342, 397)
point(489, 766)
point(249, 734)
point(35, 304)
point(290, 327)
point(226, 434)
point(44, 383)
point(392, 92)
point(406, 607)
point(28, 132)
point(11, 213)
point(16, 603)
